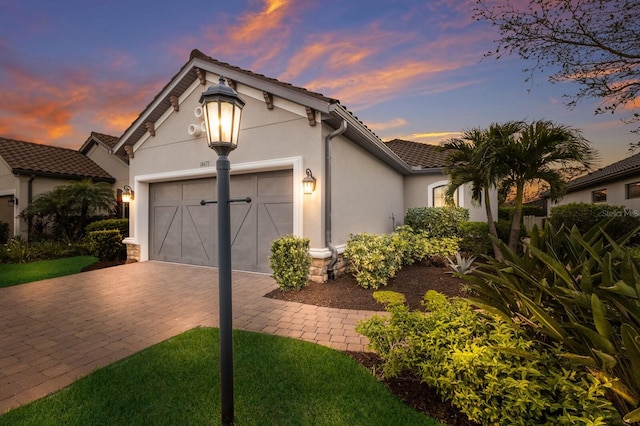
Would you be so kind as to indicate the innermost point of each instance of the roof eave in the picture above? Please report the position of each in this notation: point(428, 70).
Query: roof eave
point(62, 175)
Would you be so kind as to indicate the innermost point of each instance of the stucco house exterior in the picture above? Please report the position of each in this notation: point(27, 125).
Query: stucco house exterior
point(617, 184)
point(362, 184)
point(28, 169)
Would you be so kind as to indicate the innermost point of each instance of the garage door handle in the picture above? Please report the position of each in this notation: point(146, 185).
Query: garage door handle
point(232, 200)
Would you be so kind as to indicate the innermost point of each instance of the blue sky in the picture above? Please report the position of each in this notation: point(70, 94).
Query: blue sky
point(408, 69)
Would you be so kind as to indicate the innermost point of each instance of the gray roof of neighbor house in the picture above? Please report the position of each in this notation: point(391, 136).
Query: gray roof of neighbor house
point(331, 111)
point(619, 170)
point(51, 161)
point(105, 140)
point(421, 157)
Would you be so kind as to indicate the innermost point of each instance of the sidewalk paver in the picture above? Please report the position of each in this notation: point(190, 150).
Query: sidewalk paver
point(55, 331)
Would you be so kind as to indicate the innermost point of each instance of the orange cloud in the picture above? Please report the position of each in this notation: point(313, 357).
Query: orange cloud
point(391, 124)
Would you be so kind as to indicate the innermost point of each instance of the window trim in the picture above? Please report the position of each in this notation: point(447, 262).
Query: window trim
point(628, 186)
point(601, 192)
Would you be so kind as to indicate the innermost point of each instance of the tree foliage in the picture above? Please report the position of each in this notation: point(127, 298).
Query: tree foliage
point(67, 209)
point(595, 43)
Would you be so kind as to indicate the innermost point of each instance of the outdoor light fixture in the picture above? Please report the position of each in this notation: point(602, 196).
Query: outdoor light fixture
point(309, 183)
point(13, 201)
point(222, 109)
point(127, 194)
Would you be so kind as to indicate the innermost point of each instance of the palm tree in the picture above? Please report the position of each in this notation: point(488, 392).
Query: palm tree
point(69, 208)
point(472, 159)
point(541, 152)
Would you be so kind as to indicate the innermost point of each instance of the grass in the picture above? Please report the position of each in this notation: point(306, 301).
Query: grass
point(20, 273)
point(278, 381)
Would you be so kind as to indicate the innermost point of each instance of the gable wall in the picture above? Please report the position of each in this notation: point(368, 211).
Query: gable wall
point(111, 164)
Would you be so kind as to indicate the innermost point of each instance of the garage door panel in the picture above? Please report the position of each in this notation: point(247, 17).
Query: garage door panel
point(196, 235)
point(191, 237)
point(166, 232)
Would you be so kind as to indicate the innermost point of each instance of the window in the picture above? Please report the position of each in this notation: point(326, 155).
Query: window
point(599, 196)
point(633, 190)
point(438, 196)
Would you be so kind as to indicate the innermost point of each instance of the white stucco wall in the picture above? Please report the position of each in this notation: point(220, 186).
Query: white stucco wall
point(417, 190)
point(117, 168)
point(367, 193)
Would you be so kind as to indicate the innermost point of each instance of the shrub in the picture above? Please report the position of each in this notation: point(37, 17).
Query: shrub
point(579, 291)
point(121, 225)
point(441, 249)
point(506, 213)
point(17, 250)
point(409, 245)
point(4, 232)
point(55, 249)
point(372, 259)
point(106, 245)
point(474, 238)
point(586, 216)
point(436, 221)
point(485, 367)
point(290, 262)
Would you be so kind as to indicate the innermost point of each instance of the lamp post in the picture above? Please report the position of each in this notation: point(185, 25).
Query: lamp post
point(222, 110)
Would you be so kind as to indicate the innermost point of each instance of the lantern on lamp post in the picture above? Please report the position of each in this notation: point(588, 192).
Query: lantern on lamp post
point(222, 110)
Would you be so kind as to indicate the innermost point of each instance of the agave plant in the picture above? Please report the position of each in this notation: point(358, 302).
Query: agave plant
point(462, 265)
point(580, 291)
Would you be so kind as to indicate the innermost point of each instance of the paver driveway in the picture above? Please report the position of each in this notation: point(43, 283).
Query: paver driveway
point(55, 331)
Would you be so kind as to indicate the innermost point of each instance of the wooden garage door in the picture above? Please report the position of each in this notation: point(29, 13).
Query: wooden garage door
point(183, 231)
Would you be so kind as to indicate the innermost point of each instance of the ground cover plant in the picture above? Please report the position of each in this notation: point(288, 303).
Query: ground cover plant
point(278, 381)
point(19, 273)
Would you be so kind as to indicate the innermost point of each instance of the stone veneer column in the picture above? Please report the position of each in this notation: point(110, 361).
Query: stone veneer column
point(318, 269)
point(133, 253)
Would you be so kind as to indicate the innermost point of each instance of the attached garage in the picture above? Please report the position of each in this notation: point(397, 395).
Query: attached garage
point(183, 231)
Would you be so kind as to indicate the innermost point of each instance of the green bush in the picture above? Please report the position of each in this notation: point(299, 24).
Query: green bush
point(372, 259)
point(485, 367)
point(436, 221)
point(290, 262)
point(106, 245)
point(49, 249)
point(4, 232)
point(474, 238)
point(578, 291)
point(17, 250)
point(586, 216)
point(121, 225)
point(409, 245)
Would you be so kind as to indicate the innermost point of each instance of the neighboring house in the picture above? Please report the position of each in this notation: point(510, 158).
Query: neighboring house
point(363, 184)
point(617, 184)
point(29, 169)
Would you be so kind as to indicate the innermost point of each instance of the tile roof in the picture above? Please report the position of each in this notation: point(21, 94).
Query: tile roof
point(619, 170)
point(418, 155)
point(108, 141)
point(51, 161)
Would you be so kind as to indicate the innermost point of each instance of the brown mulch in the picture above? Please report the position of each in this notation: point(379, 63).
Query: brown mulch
point(412, 281)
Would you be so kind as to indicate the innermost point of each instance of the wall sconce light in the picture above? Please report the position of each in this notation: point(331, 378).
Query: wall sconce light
point(309, 183)
point(127, 194)
point(13, 201)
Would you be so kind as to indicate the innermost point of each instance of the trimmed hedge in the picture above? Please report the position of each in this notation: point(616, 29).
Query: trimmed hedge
point(586, 216)
point(290, 262)
point(121, 225)
point(106, 245)
point(436, 221)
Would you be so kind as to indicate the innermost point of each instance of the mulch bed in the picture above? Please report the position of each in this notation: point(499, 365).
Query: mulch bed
point(412, 281)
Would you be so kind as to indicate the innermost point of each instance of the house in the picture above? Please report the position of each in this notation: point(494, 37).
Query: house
point(29, 169)
point(617, 184)
point(362, 184)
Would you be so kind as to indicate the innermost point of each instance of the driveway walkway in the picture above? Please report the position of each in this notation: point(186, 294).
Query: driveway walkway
point(55, 331)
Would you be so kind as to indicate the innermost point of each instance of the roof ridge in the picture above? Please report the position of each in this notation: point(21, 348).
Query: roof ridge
point(37, 144)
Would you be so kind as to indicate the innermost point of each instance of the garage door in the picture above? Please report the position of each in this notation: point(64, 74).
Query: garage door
point(183, 231)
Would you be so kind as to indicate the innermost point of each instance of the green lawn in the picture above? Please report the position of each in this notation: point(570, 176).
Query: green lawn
point(20, 273)
point(278, 381)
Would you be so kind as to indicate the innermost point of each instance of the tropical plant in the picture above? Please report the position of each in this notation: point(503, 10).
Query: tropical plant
point(471, 160)
point(67, 209)
point(581, 291)
point(462, 265)
point(541, 152)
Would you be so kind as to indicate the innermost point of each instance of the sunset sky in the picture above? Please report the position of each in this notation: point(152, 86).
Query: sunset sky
point(408, 69)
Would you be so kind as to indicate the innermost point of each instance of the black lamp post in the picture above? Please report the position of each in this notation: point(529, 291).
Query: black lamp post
point(222, 109)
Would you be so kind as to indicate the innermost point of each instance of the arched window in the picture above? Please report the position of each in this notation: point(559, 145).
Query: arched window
point(436, 194)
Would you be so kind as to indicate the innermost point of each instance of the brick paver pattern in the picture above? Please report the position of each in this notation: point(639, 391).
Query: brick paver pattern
point(55, 331)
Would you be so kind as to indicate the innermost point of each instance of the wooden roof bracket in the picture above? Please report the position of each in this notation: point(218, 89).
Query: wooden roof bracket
point(311, 116)
point(268, 98)
point(202, 76)
point(174, 103)
point(150, 127)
